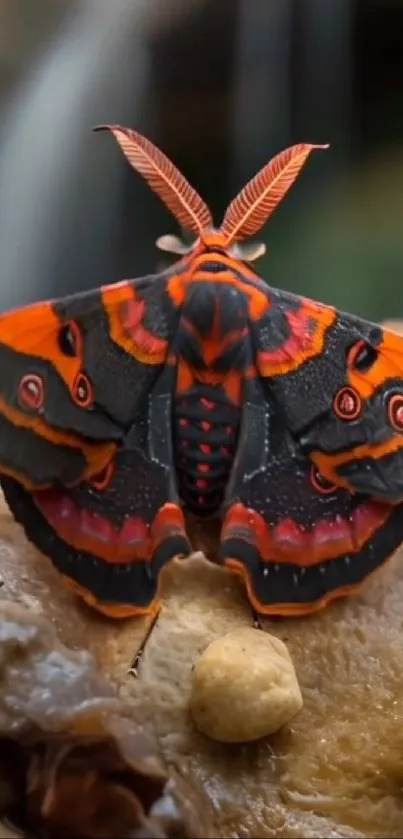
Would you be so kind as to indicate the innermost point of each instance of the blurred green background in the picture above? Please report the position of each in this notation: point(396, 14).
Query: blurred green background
point(221, 86)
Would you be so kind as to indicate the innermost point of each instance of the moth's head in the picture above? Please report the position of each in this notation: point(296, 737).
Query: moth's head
point(245, 215)
point(247, 252)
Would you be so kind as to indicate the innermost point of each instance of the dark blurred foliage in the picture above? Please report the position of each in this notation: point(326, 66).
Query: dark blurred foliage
point(221, 86)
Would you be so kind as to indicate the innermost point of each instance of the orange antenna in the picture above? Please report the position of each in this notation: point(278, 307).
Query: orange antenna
point(251, 208)
point(164, 178)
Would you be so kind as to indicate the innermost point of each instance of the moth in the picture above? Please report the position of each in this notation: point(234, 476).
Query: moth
point(203, 389)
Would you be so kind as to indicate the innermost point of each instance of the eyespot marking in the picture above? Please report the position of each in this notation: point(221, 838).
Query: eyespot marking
point(395, 411)
point(31, 392)
point(82, 391)
point(347, 404)
point(321, 484)
point(362, 356)
point(70, 340)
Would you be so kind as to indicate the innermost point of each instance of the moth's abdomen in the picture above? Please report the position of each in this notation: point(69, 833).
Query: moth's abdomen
point(205, 439)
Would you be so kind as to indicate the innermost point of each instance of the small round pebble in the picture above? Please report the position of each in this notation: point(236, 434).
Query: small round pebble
point(244, 687)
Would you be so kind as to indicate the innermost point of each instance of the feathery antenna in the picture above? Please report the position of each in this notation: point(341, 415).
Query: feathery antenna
point(164, 178)
point(245, 215)
point(251, 208)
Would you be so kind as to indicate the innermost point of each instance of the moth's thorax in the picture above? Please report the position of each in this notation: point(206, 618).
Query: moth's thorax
point(214, 265)
point(213, 327)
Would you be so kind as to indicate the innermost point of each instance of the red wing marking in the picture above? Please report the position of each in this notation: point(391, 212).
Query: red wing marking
point(152, 346)
point(308, 328)
point(92, 533)
point(125, 314)
point(288, 541)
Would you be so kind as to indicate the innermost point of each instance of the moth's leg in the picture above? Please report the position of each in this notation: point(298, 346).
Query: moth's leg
point(257, 624)
point(133, 670)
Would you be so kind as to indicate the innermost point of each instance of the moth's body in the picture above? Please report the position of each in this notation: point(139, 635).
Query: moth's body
point(211, 355)
point(203, 389)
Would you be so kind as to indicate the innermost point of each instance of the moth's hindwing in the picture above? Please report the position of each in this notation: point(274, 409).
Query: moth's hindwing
point(82, 381)
point(314, 502)
point(111, 539)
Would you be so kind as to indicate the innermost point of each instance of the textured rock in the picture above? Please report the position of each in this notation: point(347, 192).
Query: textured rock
point(244, 687)
point(335, 771)
point(72, 760)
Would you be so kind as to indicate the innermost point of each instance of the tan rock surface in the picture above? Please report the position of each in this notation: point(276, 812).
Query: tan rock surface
point(244, 687)
point(336, 770)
